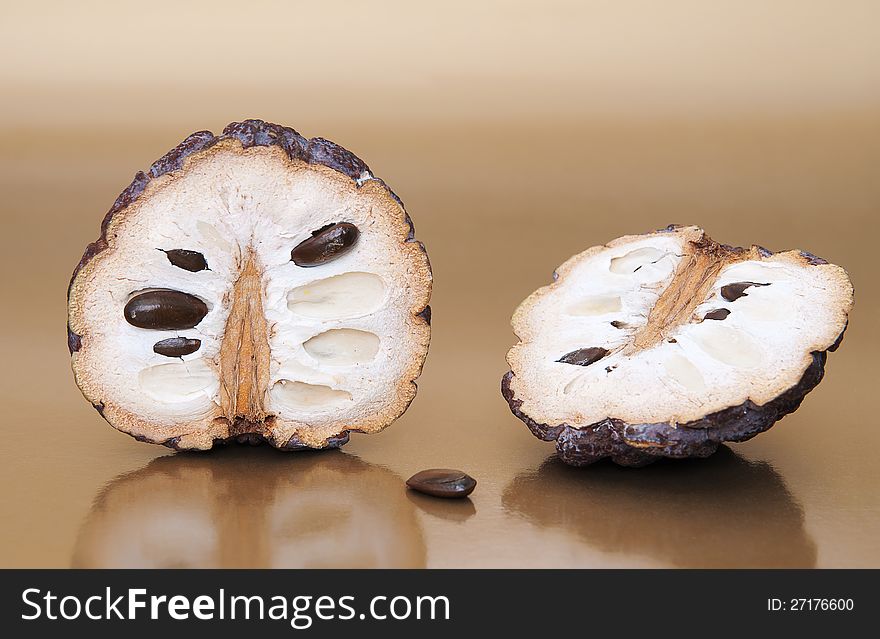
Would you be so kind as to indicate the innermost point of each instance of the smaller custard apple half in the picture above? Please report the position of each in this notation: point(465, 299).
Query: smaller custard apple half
point(252, 286)
point(669, 343)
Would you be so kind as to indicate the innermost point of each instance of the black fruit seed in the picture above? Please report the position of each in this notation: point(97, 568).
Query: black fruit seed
point(192, 261)
point(326, 244)
point(717, 314)
point(584, 356)
point(442, 482)
point(177, 346)
point(164, 309)
point(732, 292)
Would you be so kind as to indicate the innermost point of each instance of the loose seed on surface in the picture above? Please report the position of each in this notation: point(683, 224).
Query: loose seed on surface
point(442, 482)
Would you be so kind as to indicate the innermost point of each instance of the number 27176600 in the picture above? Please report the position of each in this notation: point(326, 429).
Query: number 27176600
point(801, 604)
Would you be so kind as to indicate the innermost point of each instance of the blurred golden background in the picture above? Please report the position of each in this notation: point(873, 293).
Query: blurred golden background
point(517, 133)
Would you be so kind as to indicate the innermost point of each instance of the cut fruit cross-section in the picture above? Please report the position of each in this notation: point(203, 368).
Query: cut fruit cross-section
point(252, 286)
point(667, 344)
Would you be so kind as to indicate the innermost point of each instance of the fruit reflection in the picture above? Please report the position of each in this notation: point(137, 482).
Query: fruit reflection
point(253, 508)
point(723, 511)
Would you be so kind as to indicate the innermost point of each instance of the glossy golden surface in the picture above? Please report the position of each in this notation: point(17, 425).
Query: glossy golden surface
point(517, 135)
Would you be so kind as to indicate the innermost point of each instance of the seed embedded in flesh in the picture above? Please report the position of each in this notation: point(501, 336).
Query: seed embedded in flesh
point(717, 314)
point(442, 482)
point(325, 245)
point(584, 356)
point(191, 261)
point(165, 309)
point(732, 292)
point(177, 346)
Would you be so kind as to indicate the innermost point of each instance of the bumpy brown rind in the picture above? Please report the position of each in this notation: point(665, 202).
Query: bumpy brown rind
point(637, 445)
point(249, 133)
point(641, 444)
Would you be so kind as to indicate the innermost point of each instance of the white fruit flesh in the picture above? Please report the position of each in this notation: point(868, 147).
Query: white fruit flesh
point(680, 367)
point(343, 338)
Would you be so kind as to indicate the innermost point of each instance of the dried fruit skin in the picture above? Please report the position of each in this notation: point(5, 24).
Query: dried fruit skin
point(687, 362)
point(287, 401)
point(326, 245)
